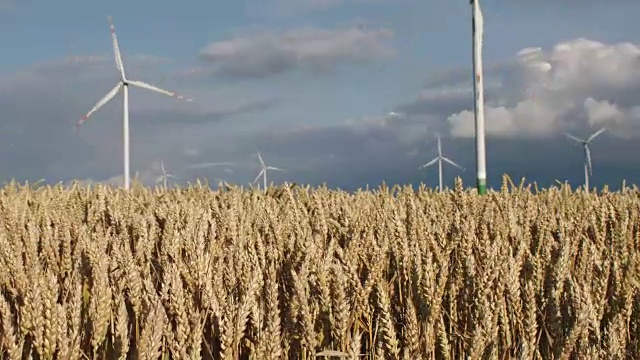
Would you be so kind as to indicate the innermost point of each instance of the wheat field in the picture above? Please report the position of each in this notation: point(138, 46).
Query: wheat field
point(387, 274)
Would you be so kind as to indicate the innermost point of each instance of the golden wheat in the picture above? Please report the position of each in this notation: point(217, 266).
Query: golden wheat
point(394, 273)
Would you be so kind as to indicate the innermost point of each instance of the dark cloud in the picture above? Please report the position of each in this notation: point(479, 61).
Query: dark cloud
point(577, 86)
point(154, 118)
point(42, 103)
point(347, 158)
point(319, 50)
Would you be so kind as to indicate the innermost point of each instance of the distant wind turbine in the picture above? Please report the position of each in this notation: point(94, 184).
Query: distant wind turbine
point(588, 170)
point(165, 175)
point(478, 90)
point(440, 158)
point(124, 85)
point(263, 172)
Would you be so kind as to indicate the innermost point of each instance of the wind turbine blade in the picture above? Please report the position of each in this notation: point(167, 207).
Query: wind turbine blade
point(164, 171)
point(258, 177)
point(452, 163)
point(274, 168)
point(146, 86)
point(596, 134)
point(261, 161)
point(100, 103)
point(116, 49)
point(573, 137)
point(208, 165)
point(429, 163)
point(159, 179)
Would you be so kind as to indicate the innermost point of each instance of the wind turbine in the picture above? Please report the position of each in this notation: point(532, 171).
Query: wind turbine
point(124, 85)
point(165, 175)
point(588, 170)
point(478, 90)
point(263, 172)
point(440, 159)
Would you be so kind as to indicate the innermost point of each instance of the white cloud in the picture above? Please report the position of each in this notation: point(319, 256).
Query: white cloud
point(267, 53)
point(602, 112)
point(540, 93)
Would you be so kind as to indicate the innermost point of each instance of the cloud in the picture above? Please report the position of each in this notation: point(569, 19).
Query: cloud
point(42, 102)
point(285, 8)
point(221, 112)
point(266, 54)
point(539, 93)
point(384, 148)
point(576, 86)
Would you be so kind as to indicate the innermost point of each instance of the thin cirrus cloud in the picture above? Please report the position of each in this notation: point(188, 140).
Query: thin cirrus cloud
point(267, 54)
point(280, 8)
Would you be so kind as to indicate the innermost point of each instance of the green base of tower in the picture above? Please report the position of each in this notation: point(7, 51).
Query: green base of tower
point(481, 185)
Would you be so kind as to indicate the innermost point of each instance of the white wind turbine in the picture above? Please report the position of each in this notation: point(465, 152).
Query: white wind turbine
point(440, 158)
point(588, 170)
point(165, 175)
point(124, 85)
point(263, 172)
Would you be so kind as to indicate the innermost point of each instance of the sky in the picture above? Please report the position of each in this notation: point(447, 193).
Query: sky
point(312, 85)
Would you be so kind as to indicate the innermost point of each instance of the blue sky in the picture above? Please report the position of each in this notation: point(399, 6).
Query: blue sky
point(267, 74)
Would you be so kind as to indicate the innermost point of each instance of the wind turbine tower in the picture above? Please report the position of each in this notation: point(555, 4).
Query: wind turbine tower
point(478, 90)
point(263, 172)
point(588, 170)
point(439, 159)
point(124, 85)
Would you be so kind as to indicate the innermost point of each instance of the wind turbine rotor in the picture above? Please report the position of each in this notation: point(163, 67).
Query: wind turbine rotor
point(143, 85)
point(261, 161)
point(110, 95)
point(452, 163)
point(430, 163)
point(595, 135)
point(574, 138)
point(258, 177)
